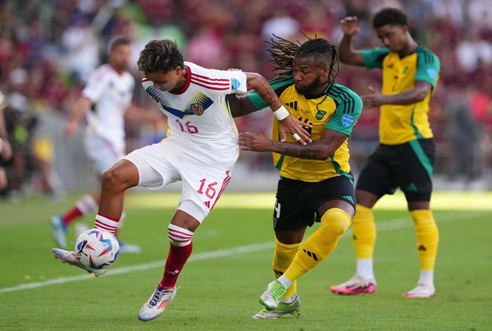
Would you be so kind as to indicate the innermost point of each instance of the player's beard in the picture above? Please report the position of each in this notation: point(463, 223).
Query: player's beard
point(311, 88)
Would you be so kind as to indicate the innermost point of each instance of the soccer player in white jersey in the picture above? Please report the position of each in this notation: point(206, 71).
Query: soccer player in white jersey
point(201, 151)
point(105, 102)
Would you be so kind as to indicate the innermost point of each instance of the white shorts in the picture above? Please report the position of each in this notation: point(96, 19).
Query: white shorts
point(103, 153)
point(166, 162)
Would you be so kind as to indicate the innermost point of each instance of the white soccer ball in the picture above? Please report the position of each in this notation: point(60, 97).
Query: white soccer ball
point(97, 249)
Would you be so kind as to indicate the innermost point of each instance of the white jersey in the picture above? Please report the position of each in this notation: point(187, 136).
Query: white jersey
point(111, 94)
point(199, 115)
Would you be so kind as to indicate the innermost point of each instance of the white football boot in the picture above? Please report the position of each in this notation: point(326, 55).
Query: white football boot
point(73, 259)
point(421, 291)
point(281, 310)
point(156, 304)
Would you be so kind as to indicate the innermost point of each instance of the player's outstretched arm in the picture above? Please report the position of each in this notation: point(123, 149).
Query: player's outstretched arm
point(287, 123)
point(82, 106)
point(317, 150)
point(345, 52)
point(241, 105)
point(417, 94)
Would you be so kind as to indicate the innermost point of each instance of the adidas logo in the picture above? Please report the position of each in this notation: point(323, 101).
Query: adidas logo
point(207, 204)
point(411, 188)
point(311, 254)
point(422, 248)
point(174, 273)
point(292, 105)
point(348, 198)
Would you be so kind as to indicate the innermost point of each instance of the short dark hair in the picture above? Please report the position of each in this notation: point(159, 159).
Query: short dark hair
point(320, 49)
point(160, 55)
point(389, 16)
point(118, 41)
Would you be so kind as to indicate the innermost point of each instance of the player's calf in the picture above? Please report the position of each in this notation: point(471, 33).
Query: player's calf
point(179, 252)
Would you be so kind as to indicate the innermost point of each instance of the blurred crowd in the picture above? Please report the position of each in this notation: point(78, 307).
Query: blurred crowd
point(48, 48)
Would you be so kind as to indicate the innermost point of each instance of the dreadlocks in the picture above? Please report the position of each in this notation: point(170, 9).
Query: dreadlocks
point(283, 51)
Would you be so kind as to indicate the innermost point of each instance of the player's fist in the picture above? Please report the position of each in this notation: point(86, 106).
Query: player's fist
point(70, 129)
point(254, 142)
point(349, 25)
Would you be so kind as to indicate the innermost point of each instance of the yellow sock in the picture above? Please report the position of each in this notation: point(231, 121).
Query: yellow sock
point(282, 258)
point(364, 230)
point(427, 238)
point(320, 244)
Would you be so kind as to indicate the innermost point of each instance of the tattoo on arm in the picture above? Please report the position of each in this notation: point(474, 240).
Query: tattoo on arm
point(313, 151)
point(263, 88)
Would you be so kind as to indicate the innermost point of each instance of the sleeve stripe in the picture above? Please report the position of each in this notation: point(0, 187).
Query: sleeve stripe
point(208, 82)
point(347, 98)
point(210, 79)
point(427, 55)
point(210, 87)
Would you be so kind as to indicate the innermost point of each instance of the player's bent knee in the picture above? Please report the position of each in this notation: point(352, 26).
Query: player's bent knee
point(118, 179)
point(335, 222)
point(179, 236)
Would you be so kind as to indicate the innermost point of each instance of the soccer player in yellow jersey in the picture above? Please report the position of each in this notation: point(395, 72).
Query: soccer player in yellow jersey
point(315, 179)
point(405, 156)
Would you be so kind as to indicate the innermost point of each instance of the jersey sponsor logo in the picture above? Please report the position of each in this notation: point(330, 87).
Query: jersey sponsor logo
point(347, 120)
point(432, 73)
point(320, 114)
point(235, 84)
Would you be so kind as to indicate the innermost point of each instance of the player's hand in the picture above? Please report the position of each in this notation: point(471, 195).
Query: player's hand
point(349, 25)
point(70, 129)
point(254, 142)
point(296, 128)
point(6, 151)
point(373, 99)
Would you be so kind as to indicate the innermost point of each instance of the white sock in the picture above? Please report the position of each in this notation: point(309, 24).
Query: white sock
point(426, 278)
point(284, 281)
point(87, 205)
point(290, 299)
point(364, 269)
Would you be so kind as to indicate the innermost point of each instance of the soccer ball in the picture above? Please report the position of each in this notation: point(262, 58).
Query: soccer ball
point(97, 249)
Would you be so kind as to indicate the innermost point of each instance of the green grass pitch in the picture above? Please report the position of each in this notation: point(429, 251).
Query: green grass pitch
point(230, 267)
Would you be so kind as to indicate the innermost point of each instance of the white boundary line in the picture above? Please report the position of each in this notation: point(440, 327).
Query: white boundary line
point(394, 224)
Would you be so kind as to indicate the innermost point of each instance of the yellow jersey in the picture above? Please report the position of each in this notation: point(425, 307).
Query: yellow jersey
point(337, 108)
point(399, 124)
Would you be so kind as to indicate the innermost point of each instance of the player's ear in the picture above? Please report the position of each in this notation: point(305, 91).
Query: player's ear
point(325, 70)
point(178, 70)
